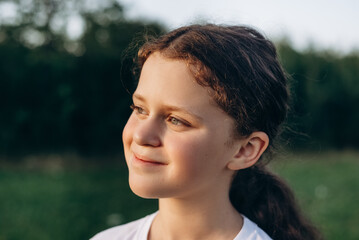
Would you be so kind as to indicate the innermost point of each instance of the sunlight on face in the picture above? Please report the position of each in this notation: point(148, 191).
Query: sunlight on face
point(176, 139)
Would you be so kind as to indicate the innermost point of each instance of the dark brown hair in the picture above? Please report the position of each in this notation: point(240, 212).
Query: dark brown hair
point(242, 68)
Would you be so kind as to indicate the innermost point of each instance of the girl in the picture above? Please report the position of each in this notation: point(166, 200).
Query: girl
point(208, 104)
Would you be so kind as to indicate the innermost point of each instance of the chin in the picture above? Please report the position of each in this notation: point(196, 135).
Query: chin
point(146, 190)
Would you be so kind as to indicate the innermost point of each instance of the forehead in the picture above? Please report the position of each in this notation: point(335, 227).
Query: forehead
point(173, 78)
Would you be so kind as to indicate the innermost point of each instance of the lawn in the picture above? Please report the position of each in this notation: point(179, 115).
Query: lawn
point(54, 198)
point(327, 188)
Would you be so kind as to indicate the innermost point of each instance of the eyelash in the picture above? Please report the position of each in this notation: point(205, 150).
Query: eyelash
point(179, 122)
point(170, 119)
point(137, 109)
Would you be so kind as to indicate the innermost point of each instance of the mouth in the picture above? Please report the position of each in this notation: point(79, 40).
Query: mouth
point(146, 160)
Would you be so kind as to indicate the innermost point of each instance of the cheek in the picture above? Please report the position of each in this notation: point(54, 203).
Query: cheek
point(195, 155)
point(127, 133)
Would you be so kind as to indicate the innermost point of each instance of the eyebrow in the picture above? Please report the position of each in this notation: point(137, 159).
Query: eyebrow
point(171, 108)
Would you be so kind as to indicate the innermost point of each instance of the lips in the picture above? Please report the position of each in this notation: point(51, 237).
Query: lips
point(147, 160)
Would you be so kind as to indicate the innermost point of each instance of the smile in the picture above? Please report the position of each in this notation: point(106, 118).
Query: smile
point(145, 160)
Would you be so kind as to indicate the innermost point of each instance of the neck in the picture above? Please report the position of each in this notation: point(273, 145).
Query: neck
point(205, 218)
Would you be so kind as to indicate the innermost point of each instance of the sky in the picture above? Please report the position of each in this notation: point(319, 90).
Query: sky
point(324, 24)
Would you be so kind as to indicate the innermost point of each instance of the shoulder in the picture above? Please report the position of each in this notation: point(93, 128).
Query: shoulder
point(250, 231)
point(136, 230)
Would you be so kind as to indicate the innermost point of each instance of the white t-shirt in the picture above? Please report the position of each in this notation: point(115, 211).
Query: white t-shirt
point(138, 230)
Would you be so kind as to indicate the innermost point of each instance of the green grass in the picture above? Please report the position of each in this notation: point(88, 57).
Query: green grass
point(327, 188)
point(75, 202)
point(65, 204)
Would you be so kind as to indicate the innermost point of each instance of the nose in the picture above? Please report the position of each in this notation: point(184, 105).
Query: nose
point(147, 133)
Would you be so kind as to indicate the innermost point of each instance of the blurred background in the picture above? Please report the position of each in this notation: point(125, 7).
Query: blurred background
point(65, 78)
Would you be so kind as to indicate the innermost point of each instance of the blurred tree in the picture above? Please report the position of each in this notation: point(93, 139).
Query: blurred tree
point(65, 67)
point(61, 84)
point(55, 23)
point(325, 97)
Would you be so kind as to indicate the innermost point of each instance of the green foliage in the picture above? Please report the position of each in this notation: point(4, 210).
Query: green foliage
point(67, 95)
point(325, 91)
point(61, 92)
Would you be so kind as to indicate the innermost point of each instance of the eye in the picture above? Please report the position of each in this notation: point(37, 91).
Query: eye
point(178, 122)
point(175, 121)
point(137, 109)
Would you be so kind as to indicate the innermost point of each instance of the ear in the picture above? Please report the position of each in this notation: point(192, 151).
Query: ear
point(249, 151)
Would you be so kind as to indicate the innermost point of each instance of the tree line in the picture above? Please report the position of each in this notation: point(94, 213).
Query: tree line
point(60, 93)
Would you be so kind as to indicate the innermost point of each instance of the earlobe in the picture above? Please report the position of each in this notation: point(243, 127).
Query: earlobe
point(250, 151)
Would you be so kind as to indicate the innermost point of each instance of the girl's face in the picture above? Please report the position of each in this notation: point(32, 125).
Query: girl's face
point(177, 140)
